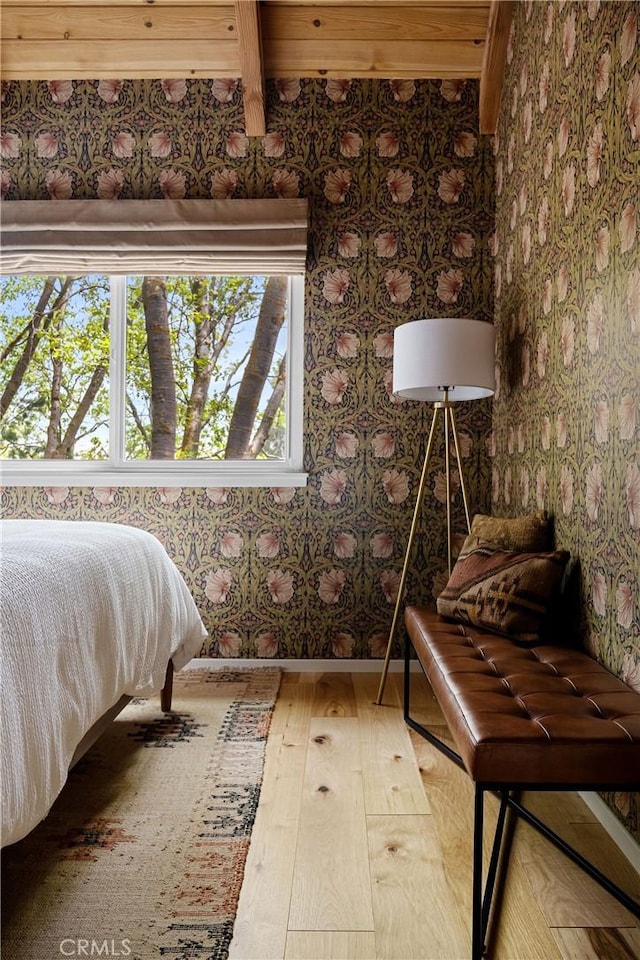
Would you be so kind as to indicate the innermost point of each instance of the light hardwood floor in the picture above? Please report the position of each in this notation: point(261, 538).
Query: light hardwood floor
point(361, 848)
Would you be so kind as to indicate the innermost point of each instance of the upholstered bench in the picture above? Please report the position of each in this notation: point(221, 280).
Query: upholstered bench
point(542, 717)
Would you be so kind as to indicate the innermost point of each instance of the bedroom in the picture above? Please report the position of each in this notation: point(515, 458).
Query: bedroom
point(568, 358)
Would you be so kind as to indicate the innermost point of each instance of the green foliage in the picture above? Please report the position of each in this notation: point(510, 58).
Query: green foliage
point(212, 323)
point(73, 336)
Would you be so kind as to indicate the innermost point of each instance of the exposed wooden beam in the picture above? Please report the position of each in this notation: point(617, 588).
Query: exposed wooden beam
point(495, 55)
point(251, 66)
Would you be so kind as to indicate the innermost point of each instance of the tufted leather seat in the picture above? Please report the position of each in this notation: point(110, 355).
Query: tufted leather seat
point(542, 715)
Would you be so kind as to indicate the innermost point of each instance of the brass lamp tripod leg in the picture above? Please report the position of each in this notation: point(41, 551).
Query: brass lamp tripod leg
point(449, 421)
point(407, 557)
point(447, 461)
point(461, 472)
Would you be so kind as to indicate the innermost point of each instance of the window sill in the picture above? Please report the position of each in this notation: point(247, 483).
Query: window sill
point(146, 475)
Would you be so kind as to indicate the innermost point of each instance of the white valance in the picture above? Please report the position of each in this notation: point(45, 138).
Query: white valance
point(165, 237)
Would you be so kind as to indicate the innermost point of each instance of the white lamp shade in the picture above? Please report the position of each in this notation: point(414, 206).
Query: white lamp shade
point(444, 352)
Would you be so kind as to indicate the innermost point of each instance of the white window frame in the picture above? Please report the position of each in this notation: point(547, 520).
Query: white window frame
point(118, 472)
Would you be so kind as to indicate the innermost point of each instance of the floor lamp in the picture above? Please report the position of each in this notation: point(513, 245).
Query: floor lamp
point(442, 360)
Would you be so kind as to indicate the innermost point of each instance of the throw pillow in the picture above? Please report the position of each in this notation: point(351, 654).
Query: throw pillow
point(526, 534)
point(504, 591)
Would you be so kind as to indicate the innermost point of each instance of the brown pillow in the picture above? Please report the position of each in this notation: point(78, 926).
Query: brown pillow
point(527, 534)
point(504, 591)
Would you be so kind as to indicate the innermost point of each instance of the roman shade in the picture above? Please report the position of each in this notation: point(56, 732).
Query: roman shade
point(163, 237)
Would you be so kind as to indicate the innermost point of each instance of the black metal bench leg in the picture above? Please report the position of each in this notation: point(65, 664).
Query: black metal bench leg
point(406, 685)
point(477, 935)
point(494, 864)
point(484, 898)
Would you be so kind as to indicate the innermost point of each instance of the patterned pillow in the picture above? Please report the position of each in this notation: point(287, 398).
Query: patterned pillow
point(504, 591)
point(526, 534)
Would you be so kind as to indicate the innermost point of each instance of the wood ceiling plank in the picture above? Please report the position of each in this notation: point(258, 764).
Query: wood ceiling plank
point(122, 59)
point(495, 55)
point(175, 21)
point(343, 58)
point(381, 22)
point(251, 66)
point(98, 5)
point(397, 4)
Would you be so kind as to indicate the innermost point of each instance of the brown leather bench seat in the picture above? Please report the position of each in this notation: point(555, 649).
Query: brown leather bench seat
point(543, 715)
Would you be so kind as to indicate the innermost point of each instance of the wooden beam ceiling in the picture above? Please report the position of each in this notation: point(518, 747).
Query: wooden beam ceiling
point(251, 66)
point(495, 55)
point(386, 39)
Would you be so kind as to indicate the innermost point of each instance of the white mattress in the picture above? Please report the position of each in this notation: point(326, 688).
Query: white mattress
point(89, 612)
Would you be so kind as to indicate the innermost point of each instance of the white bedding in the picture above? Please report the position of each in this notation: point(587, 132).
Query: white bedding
point(90, 612)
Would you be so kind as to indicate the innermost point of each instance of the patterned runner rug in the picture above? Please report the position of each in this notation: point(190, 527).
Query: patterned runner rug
point(143, 854)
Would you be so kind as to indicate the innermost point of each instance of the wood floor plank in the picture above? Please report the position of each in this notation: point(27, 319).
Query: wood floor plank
point(287, 750)
point(567, 896)
point(423, 705)
point(290, 677)
point(391, 779)
point(334, 696)
point(260, 928)
point(330, 945)
point(593, 841)
point(559, 809)
point(521, 931)
point(393, 690)
point(415, 910)
point(263, 910)
point(312, 676)
point(331, 885)
point(598, 943)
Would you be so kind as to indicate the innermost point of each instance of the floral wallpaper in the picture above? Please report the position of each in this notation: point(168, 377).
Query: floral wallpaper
point(566, 415)
point(401, 198)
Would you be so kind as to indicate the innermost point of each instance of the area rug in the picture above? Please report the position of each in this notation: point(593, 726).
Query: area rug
point(143, 854)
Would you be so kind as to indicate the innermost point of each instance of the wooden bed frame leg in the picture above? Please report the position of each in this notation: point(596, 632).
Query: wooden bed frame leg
point(167, 690)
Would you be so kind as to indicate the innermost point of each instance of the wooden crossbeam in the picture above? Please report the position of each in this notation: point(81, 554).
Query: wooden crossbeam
point(495, 55)
point(251, 66)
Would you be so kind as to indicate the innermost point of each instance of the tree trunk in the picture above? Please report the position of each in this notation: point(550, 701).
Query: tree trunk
point(41, 318)
point(261, 434)
point(163, 390)
point(140, 426)
point(55, 410)
point(68, 442)
point(202, 369)
point(269, 324)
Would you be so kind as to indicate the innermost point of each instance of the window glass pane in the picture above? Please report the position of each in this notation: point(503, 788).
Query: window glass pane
point(205, 369)
point(54, 373)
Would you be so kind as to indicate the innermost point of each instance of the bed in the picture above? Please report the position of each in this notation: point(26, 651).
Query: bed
point(92, 614)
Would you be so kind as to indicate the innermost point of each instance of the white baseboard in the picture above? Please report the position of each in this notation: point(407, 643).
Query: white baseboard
point(618, 833)
point(302, 666)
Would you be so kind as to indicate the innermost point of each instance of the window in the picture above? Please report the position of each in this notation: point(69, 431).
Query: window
point(144, 380)
point(150, 380)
